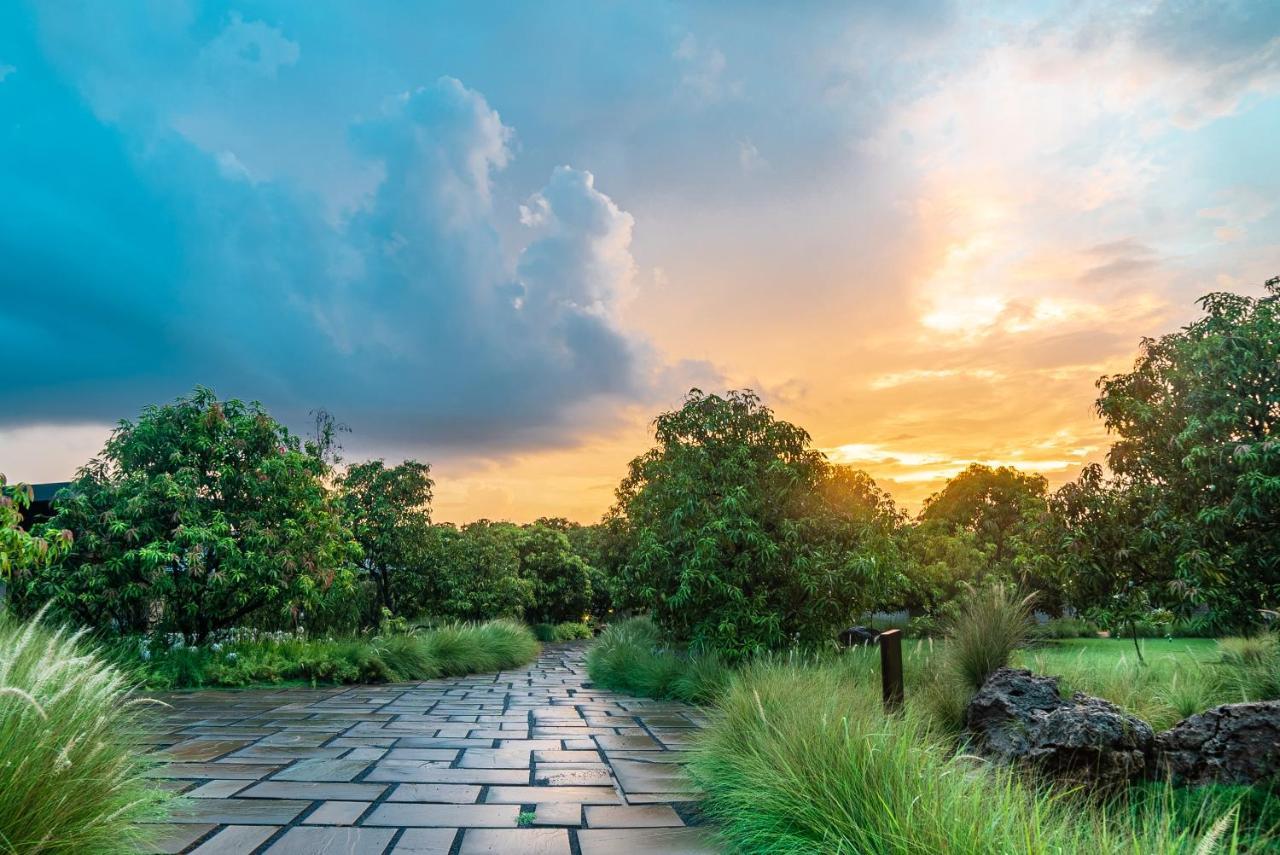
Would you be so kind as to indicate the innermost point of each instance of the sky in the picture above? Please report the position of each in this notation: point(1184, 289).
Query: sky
point(502, 236)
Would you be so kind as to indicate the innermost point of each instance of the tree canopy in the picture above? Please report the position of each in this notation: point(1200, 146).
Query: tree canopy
point(741, 536)
point(195, 516)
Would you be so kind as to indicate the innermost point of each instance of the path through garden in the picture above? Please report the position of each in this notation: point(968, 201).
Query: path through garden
point(525, 761)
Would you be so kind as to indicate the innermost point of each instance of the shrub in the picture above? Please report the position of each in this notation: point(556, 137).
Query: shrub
point(70, 780)
point(567, 631)
point(627, 657)
point(1065, 627)
point(449, 649)
point(989, 624)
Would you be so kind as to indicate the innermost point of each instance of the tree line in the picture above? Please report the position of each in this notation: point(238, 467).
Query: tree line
point(733, 531)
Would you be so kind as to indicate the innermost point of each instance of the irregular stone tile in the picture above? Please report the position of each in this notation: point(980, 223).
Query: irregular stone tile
point(633, 816)
point(630, 742)
point(321, 770)
point(217, 789)
point(495, 758)
point(236, 840)
point(646, 841)
point(236, 771)
point(169, 839)
point(537, 795)
point(439, 755)
point(452, 816)
point(336, 813)
point(518, 841)
point(441, 793)
point(431, 773)
point(199, 750)
point(558, 813)
point(573, 777)
point(426, 841)
point(314, 791)
point(240, 811)
point(332, 841)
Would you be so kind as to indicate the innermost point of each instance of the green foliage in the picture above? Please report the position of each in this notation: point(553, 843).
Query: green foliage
point(478, 567)
point(561, 578)
point(741, 537)
point(388, 509)
point(21, 550)
point(567, 631)
point(988, 626)
point(1065, 628)
point(627, 657)
point(1197, 467)
point(196, 516)
point(70, 778)
point(451, 649)
point(802, 759)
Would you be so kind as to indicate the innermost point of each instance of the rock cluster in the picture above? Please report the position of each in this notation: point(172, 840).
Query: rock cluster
point(1229, 744)
point(1018, 716)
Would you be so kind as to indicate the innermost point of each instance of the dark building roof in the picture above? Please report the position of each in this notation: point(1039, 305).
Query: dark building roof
point(46, 492)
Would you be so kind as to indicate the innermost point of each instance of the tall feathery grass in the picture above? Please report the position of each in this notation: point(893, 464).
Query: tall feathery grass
point(803, 760)
point(71, 779)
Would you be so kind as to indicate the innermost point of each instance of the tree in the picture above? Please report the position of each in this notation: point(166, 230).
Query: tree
point(1197, 455)
point(998, 506)
point(195, 517)
point(561, 578)
point(389, 512)
point(742, 537)
point(20, 550)
point(479, 572)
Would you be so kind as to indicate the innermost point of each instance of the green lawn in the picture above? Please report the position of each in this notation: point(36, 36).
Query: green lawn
point(1182, 676)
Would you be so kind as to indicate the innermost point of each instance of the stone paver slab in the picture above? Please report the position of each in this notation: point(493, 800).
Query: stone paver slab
point(410, 814)
point(538, 795)
point(646, 841)
point(426, 841)
point(236, 811)
point(310, 790)
point(519, 841)
point(236, 839)
point(337, 813)
point(332, 841)
point(458, 794)
point(633, 816)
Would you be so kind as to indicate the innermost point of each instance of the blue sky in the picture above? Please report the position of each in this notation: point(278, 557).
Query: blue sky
point(502, 236)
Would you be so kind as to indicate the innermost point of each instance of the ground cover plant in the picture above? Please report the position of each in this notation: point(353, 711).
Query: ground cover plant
point(70, 777)
point(449, 649)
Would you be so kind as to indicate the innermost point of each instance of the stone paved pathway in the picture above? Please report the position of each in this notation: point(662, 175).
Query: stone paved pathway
point(447, 766)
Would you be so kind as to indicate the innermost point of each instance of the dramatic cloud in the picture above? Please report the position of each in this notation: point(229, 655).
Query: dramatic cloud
point(152, 265)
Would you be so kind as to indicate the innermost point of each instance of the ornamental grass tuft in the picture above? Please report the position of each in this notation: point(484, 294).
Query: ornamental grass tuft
point(71, 778)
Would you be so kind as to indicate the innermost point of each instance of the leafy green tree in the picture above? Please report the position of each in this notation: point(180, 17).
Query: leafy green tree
point(998, 506)
point(740, 536)
point(941, 562)
point(561, 578)
point(389, 511)
point(21, 550)
point(479, 572)
point(195, 517)
point(1197, 453)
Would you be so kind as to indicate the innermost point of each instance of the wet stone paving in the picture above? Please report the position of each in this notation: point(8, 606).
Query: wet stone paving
point(524, 761)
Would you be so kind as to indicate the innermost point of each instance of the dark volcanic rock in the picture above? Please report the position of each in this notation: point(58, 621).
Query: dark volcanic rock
point(857, 635)
point(1229, 744)
point(1018, 716)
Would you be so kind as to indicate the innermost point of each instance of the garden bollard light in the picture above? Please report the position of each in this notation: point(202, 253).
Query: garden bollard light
point(891, 668)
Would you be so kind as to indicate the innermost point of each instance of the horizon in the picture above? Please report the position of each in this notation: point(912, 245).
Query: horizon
point(502, 243)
